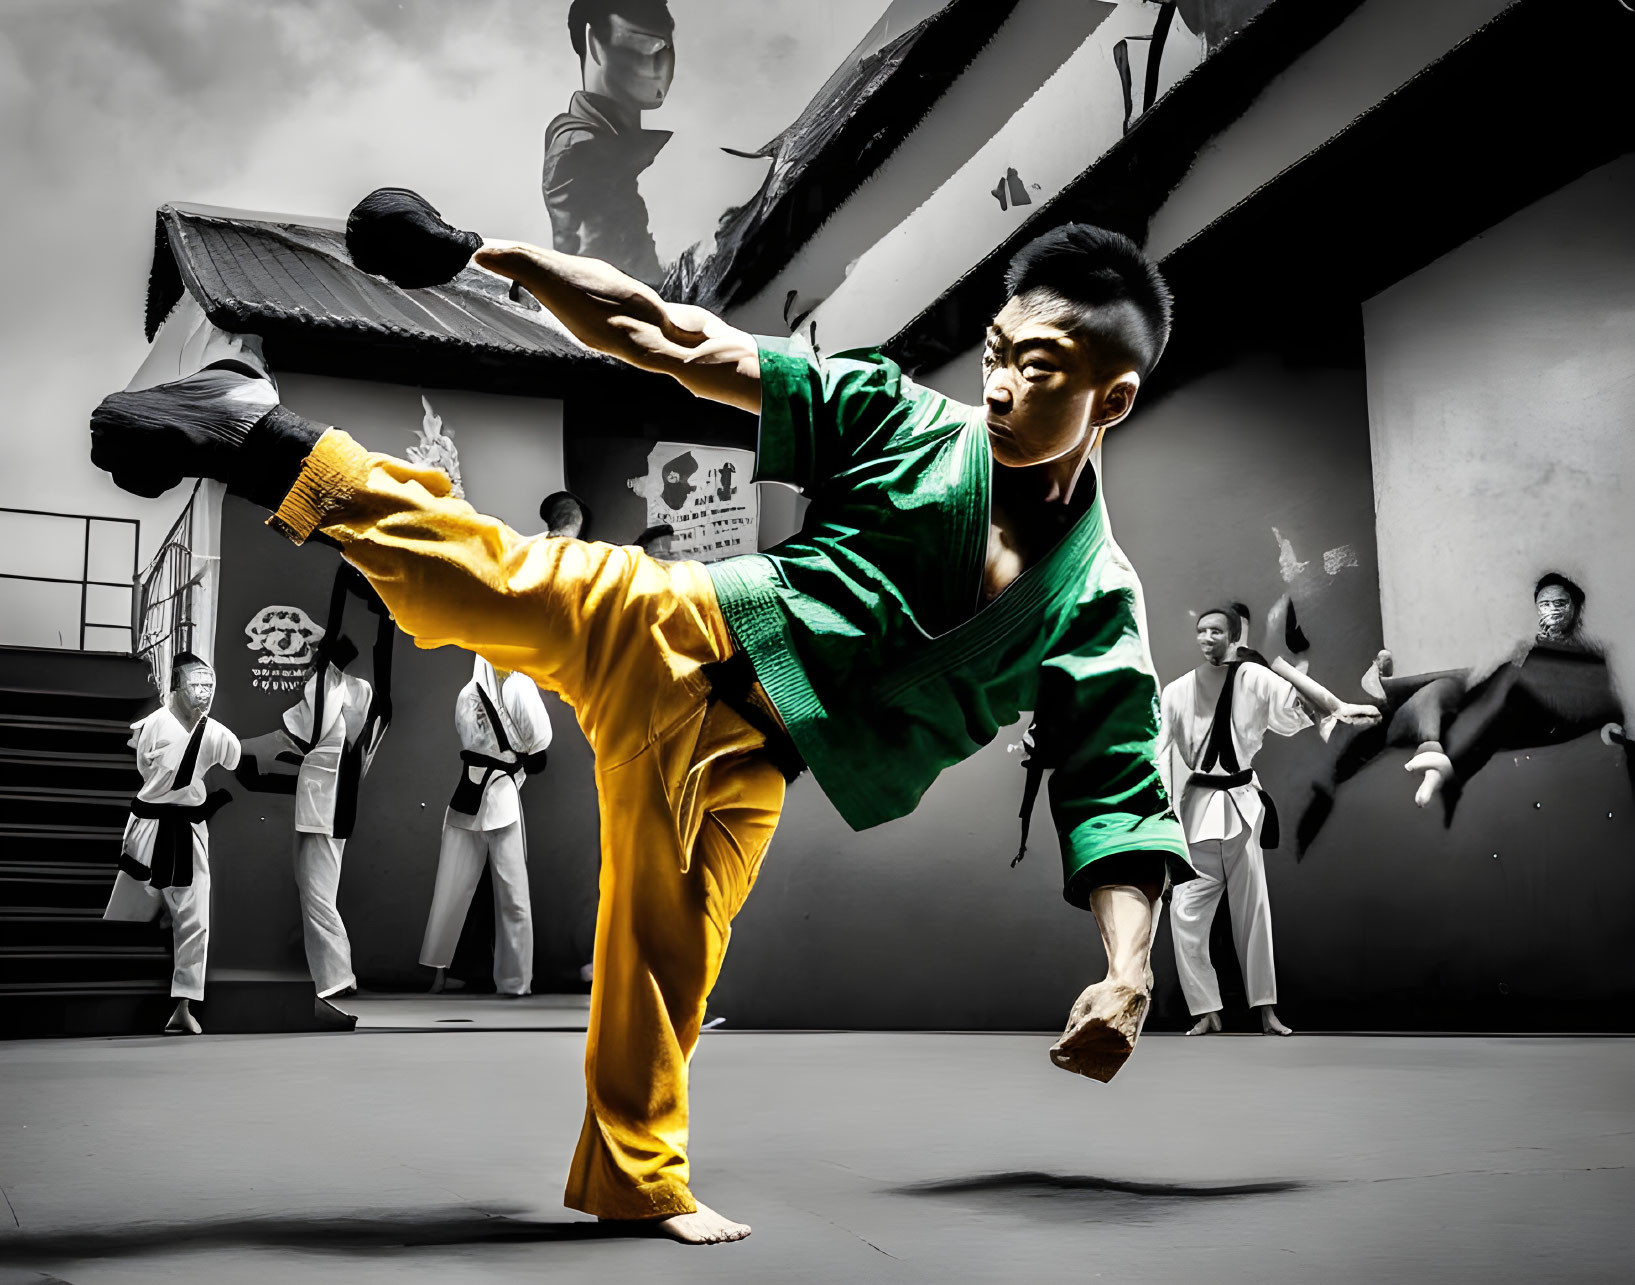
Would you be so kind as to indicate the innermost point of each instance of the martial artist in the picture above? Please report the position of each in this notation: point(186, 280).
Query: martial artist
point(954, 569)
point(1553, 688)
point(1214, 721)
point(338, 727)
point(164, 863)
point(504, 734)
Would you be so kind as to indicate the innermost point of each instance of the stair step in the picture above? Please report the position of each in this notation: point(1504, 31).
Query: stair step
point(32, 832)
point(76, 706)
point(61, 794)
point(58, 894)
point(111, 986)
point(59, 931)
point(48, 813)
point(33, 965)
point(63, 733)
point(111, 950)
point(116, 774)
point(53, 871)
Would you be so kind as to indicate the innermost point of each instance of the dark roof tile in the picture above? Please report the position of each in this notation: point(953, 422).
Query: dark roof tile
point(291, 282)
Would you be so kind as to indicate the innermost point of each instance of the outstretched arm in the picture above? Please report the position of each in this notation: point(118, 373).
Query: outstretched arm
point(614, 313)
point(1317, 698)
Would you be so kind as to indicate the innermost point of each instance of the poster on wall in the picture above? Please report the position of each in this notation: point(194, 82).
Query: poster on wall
point(284, 641)
point(705, 495)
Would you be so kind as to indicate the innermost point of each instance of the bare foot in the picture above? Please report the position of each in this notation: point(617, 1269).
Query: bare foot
point(1208, 1024)
point(701, 1227)
point(1437, 767)
point(1101, 1030)
point(1382, 667)
point(1270, 1024)
point(330, 1018)
point(443, 982)
point(182, 1021)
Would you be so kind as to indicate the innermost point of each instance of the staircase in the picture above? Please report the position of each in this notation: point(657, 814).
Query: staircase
point(66, 780)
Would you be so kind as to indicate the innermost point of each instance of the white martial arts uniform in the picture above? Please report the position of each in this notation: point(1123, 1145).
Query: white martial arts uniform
point(317, 794)
point(494, 833)
point(1222, 829)
point(160, 741)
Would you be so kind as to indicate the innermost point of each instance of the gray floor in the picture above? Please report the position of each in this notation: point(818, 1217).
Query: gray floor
point(438, 1155)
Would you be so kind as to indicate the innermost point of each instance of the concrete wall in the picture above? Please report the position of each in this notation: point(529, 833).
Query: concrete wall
point(909, 266)
point(1501, 403)
point(1379, 47)
point(1033, 42)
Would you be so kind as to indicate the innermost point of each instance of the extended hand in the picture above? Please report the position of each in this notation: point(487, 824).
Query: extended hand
point(1363, 714)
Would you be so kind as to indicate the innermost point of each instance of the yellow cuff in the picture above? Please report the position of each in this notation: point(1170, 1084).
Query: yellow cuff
point(332, 472)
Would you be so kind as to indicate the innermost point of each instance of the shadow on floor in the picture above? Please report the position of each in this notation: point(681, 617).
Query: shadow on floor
point(1053, 1195)
point(357, 1231)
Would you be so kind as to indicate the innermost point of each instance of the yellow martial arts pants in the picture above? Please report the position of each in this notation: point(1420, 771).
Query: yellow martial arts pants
point(687, 798)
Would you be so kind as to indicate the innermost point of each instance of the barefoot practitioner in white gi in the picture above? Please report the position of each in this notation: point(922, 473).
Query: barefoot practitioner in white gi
point(165, 859)
point(504, 734)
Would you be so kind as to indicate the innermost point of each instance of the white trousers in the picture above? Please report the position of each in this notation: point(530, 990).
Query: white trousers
point(318, 880)
point(134, 901)
point(1238, 867)
point(459, 866)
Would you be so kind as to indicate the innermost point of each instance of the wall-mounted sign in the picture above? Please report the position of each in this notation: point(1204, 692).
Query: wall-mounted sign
point(285, 640)
point(705, 494)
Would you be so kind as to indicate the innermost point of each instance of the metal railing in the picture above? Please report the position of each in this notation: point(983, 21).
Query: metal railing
point(84, 580)
point(162, 619)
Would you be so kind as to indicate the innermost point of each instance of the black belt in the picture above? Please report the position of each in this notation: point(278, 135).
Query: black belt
point(468, 794)
point(173, 843)
point(732, 682)
point(1216, 781)
point(1271, 831)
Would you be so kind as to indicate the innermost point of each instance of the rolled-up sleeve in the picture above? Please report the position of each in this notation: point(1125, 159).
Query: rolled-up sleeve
point(1099, 711)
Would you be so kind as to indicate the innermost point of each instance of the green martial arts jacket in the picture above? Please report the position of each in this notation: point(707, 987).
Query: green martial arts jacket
point(866, 633)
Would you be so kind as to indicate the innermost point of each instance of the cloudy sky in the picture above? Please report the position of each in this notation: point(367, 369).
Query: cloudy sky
point(110, 108)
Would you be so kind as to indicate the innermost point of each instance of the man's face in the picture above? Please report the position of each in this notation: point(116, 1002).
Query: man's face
point(1214, 636)
point(1043, 397)
point(196, 688)
point(1556, 615)
point(638, 63)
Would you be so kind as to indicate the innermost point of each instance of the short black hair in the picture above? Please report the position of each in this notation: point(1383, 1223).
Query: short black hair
point(652, 14)
point(655, 532)
point(1234, 622)
point(560, 508)
point(1556, 578)
point(1116, 293)
point(180, 661)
